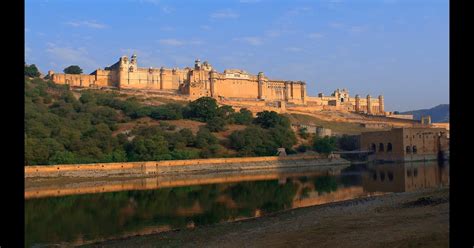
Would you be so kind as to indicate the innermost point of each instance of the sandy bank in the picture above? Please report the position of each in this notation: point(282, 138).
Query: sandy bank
point(409, 219)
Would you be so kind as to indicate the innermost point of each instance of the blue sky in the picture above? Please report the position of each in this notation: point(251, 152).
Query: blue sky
point(392, 47)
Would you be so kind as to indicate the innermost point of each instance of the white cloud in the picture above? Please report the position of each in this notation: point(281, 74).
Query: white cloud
point(273, 33)
point(293, 49)
point(88, 24)
point(167, 28)
point(225, 13)
point(336, 25)
point(155, 2)
point(195, 42)
point(358, 29)
point(254, 41)
point(171, 42)
point(27, 52)
point(249, 1)
point(205, 27)
point(176, 42)
point(68, 56)
point(298, 10)
point(315, 35)
point(167, 9)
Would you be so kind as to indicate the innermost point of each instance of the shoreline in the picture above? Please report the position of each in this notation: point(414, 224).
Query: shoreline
point(418, 219)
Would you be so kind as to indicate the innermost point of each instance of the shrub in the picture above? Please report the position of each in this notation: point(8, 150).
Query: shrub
point(31, 71)
point(216, 124)
point(202, 109)
point(243, 117)
point(324, 145)
point(269, 119)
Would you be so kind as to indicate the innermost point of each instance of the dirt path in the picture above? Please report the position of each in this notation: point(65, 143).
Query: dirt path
point(415, 219)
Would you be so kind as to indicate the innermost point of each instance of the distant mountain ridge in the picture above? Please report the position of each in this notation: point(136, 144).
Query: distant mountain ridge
point(439, 113)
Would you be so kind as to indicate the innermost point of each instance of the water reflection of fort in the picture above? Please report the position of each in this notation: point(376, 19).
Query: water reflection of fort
point(40, 189)
point(142, 206)
point(405, 177)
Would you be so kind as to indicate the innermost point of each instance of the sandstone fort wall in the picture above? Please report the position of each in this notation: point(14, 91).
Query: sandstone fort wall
point(203, 80)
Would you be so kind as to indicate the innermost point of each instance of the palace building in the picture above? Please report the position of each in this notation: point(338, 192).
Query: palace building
point(202, 80)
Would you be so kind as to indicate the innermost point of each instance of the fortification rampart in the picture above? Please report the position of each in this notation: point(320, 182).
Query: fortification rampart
point(204, 81)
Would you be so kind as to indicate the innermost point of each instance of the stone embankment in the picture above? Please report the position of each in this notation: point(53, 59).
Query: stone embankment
point(180, 166)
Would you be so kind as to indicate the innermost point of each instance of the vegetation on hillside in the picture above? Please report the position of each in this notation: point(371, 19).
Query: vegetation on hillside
point(31, 71)
point(62, 127)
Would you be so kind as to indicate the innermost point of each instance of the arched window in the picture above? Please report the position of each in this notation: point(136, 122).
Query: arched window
point(382, 176)
point(390, 176)
point(414, 149)
point(408, 149)
point(389, 147)
point(381, 148)
point(374, 176)
point(373, 147)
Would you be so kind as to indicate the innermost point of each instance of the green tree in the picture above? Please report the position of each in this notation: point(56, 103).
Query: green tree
point(253, 141)
point(348, 142)
point(63, 157)
point(243, 117)
point(225, 112)
point(282, 137)
point(188, 136)
point(216, 124)
point(73, 69)
point(205, 138)
point(203, 109)
point(324, 145)
point(148, 149)
point(31, 71)
point(303, 132)
point(268, 119)
point(170, 111)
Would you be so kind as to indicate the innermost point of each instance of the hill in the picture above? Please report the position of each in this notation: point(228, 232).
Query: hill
point(91, 126)
point(439, 113)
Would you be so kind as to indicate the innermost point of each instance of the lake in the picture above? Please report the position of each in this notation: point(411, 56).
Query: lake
point(81, 211)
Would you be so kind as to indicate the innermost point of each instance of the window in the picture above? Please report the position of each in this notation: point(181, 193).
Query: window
point(373, 147)
point(390, 176)
point(408, 149)
point(389, 147)
point(408, 173)
point(414, 149)
point(382, 176)
point(415, 172)
point(374, 176)
point(381, 148)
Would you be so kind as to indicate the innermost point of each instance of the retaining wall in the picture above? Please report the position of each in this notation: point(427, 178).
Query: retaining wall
point(178, 166)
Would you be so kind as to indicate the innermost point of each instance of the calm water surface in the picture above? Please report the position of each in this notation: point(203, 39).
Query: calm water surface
point(81, 218)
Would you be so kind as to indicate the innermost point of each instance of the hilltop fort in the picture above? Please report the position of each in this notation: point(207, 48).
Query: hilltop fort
point(231, 85)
